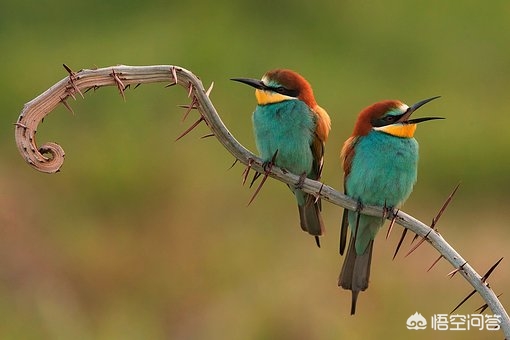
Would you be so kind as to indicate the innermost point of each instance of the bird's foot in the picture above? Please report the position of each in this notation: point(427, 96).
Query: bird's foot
point(301, 181)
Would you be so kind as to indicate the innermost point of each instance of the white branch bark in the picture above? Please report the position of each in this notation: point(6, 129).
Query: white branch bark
point(50, 156)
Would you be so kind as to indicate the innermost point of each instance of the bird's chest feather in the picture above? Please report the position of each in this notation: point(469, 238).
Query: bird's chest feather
point(289, 128)
point(383, 170)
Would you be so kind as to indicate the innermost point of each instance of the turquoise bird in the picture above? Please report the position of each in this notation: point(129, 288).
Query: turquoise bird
point(380, 162)
point(291, 130)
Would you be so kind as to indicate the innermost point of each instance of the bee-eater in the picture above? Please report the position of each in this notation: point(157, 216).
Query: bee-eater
point(380, 163)
point(290, 131)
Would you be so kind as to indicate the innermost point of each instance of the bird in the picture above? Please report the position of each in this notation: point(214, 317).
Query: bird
point(380, 161)
point(290, 131)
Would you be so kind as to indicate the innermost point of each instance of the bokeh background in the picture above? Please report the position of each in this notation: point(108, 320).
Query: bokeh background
point(142, 237)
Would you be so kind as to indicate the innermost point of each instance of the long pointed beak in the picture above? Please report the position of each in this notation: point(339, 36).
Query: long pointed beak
point(414, 107)
point(256, 83)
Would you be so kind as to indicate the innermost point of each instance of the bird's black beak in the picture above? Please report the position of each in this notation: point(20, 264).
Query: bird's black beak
point(256, 83)
point(414, 107)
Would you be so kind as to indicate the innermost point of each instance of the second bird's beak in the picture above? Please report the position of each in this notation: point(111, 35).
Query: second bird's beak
point(256, 83)
point(414, 107)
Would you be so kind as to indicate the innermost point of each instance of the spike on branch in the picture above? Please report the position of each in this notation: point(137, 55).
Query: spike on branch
point(67, 106)
point(456, 270)
point(404, 232)
point(444, 206)
point(246, 170)
point(267, 169)
point(434, 220)
point(194, 125)
point(417, 244)
point(193, 105)
point(435, 262)
point(120, 84)
point(174, 75)
point(208, 92)
point(483, 279)
point(392, 223)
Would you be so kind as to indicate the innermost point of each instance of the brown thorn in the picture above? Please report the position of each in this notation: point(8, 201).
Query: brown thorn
point(267, 170)
point(414, 238)
point(136, 86)
point(491, 269)
point(235, 162)
point(435, 262)
point(119, 83)
point(94, 87)
point(445, 205)
point(174, 74)
point(192, 106)
point(207, 136)
point(483, 279)
point(171, 84)
point(266, 174)
point(194, 125)
point(462, 302)
point(455, 271)
point(18, 124)
point(417, 245)
point(208, 92)
point(392, 223)
point(256, 175)
point(187, 106)
point(404, 232)
point(190, 89)
point(68, 69)
point(71, 94)
point(246, 170)
point(72, 78)
point(63, 101)
point(71, 81)
point(318, 196)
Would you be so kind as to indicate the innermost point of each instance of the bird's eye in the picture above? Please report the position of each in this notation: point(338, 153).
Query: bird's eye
point(281, 89)
point(389, 119)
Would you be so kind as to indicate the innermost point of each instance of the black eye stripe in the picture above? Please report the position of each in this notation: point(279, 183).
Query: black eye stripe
point(285, 91)
point(386, 120)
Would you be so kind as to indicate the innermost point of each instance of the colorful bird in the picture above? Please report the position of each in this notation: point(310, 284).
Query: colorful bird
point(290, 131)
point(380, 163)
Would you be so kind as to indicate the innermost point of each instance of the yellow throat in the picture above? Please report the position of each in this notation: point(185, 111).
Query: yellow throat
point(398, 130)
point(269, 97)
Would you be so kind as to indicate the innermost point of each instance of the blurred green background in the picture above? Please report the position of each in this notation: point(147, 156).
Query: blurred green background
point(141, 237)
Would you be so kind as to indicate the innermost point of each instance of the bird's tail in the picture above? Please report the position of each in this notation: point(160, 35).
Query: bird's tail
point(355, 272)
point(310, 216)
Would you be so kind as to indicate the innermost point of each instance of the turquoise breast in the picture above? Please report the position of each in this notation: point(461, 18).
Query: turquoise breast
point(383, 170)
point(288, 127)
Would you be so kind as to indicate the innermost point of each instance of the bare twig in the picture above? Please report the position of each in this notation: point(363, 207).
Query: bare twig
point(50, 156)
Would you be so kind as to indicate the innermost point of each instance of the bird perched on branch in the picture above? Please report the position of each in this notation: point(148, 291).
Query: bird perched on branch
point(290, 132)
point(380, 162)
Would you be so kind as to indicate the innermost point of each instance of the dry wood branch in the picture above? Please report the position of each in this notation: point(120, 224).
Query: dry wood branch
point(124, 76)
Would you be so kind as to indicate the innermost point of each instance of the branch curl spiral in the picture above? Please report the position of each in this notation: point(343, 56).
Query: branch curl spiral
point(50, 156)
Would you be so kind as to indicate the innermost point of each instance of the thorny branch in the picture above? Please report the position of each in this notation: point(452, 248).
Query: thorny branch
point(50, 156)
